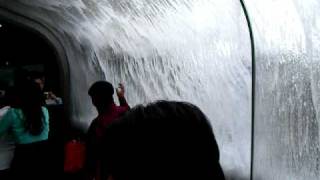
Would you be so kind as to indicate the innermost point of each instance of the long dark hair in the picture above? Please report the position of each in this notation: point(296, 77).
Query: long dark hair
point(31, 101)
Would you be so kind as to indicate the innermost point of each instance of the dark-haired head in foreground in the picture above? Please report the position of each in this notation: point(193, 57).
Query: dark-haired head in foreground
point(163, 140)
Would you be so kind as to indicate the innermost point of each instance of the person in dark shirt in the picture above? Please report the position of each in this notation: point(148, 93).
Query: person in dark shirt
point(165, 140)
point(101, 94)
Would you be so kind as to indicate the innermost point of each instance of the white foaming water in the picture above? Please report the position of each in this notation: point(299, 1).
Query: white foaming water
point(189, 50)
point(287, 123)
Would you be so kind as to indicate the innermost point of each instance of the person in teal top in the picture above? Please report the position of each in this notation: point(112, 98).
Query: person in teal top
point(28, 122)
point(14, 121)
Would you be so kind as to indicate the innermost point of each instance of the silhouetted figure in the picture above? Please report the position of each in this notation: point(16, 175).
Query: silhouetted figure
point(101, 94)
point(161, 141)
point(49, 97)
point(29, 124)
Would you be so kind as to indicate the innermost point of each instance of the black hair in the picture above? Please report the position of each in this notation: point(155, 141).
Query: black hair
point(11, 97)
point(31, 101)
point(102, 93)
point(163, 140)
point(20, 76)
point(36, 75)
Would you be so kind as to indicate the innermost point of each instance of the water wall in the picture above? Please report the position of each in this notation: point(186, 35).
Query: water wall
point(287, 107)
point(200, 51)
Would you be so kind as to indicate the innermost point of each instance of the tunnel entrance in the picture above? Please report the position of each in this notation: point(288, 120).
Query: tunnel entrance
point(24, 50)
point(26, 54)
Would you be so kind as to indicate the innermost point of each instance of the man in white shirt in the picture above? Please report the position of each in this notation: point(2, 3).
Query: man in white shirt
point(7, 147)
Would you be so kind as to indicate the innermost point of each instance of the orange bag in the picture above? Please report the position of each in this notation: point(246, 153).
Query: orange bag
point(74, 156)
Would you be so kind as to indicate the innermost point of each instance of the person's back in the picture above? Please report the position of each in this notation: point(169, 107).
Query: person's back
point(29, 124)
point(164, 140)
point(14, 120)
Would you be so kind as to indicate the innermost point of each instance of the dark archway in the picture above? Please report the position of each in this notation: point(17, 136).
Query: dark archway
point(24, 48)
point(50, 39)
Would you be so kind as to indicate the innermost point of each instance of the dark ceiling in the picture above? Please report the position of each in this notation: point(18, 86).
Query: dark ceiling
point(20, 47)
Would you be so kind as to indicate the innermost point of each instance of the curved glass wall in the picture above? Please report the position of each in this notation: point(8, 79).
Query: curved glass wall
point(286, 131)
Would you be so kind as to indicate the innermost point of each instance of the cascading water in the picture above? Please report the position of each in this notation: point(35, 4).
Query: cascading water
point(178, 50)
point(287, 123)
point(190, 50)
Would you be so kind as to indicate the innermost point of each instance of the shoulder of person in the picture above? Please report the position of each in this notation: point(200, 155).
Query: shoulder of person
point(11, 113)
point(15, 110)
point(44, 108)
point(4, 110)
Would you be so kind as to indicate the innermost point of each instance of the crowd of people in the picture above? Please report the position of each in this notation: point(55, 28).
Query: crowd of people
point(161, 140)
